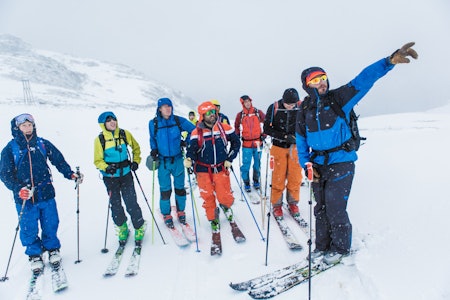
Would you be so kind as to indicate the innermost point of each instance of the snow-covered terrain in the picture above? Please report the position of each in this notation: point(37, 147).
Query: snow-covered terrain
point(398, 208)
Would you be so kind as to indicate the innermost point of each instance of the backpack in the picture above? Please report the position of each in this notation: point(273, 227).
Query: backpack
point(200, 139)
point(18, 153)
point(177, 121)
point(244, 133)
point(355, 141)
point(275, 110)
point(122, 136)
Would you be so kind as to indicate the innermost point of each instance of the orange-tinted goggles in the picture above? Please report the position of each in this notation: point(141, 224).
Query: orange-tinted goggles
point(317, 79)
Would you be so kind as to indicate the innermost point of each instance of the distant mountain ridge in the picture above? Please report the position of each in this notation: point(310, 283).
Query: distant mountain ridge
point(63, 80)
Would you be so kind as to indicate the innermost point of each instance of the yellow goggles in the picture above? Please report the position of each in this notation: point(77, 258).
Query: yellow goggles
point(317, 79)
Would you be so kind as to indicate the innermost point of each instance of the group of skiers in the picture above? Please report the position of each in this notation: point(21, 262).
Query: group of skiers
point(301, 132)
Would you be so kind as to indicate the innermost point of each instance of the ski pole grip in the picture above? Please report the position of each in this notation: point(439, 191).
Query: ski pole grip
point(272, 163)
point(310, 171)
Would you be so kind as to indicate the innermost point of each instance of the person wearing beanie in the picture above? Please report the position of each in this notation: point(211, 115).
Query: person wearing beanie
point(279, 123)
point(247, 126)
point(111, 158)
point(323, 139)
point(167, 152)
point(208, 154)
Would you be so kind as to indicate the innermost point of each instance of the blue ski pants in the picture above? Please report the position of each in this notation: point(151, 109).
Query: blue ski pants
point(247, 155)
point(171, 167)
point(45, 213)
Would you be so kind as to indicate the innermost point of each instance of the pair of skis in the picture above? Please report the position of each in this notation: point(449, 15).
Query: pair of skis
point(59, 282)
point(277, 282)
point(184, 237)
point(286, 231)
point(216, 243)
point(133, 264)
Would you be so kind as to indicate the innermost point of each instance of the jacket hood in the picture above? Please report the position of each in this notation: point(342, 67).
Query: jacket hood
point(18, 136)
point(311, 91)
point(102, 119)
point(161, 102)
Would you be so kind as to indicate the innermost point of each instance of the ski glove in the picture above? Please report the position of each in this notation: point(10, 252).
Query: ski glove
point(134, 166)
point(227, 164)
point(25, 193)
point(111, 169)
point(400, 55)
point(315, 174)
point(187, 163)
point(154, 153)
point(77, 177)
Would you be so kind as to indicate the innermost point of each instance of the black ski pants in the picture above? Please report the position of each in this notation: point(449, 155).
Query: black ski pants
point(333, 227)
point(123, 187)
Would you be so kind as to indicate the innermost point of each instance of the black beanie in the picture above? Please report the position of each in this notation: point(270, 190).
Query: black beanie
point(290, 96)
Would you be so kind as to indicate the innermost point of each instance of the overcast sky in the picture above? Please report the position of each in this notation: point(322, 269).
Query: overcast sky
point(211, 49)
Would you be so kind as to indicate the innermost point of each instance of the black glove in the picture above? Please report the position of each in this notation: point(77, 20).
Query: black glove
point(134, 166)
point(290, 139)
point(111, 169)
point(400, 55)
point(154, 153)
point(183, 144)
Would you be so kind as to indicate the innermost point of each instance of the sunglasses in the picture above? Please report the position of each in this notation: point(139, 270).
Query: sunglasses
point(109, 119)
point(20, 119)
point(210, 112)
point(316, 80)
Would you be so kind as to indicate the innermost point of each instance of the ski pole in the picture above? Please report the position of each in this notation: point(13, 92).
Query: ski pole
point(190, 172)
point(310, 169)
point(240, 172)
point(77, 187)
point(4, 278)
point(153, 199)
point(193, 213)
point(248, 205)
point(105, 250)
point(272, 163)
point(148, 205)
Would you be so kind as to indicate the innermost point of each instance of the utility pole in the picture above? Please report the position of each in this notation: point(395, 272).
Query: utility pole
point(27, 95)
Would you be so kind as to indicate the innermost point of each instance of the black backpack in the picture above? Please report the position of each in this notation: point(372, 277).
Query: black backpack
point(355, 141)
point(122, 136)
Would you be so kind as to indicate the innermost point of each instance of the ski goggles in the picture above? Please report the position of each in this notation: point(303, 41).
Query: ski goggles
point(20, 119)
point(210, 112)
point(317, 79)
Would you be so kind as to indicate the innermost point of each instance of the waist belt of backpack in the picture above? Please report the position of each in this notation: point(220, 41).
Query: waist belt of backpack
point(255, 139)
point(210, 168)
point(345, 146)
point(121, 164)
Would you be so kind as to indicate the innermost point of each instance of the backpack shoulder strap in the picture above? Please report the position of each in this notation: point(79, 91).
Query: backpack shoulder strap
point(123, 136)
point(41, 146)
point(101, 137)
point(177, 120)
point(155, 125)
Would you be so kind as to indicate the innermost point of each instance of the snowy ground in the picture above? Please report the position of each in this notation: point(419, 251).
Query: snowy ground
point(398, 209)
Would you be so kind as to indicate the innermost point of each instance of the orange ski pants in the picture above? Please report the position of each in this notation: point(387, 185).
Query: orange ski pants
point(219, 187)
point(286, 174)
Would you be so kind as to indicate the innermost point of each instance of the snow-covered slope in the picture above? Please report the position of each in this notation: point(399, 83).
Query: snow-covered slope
point(63, 80)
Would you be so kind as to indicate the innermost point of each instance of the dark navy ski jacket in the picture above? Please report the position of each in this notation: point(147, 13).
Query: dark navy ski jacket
point(17, 177)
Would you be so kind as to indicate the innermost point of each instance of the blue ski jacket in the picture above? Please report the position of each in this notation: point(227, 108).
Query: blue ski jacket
point(167, 139)
point(319, 128)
